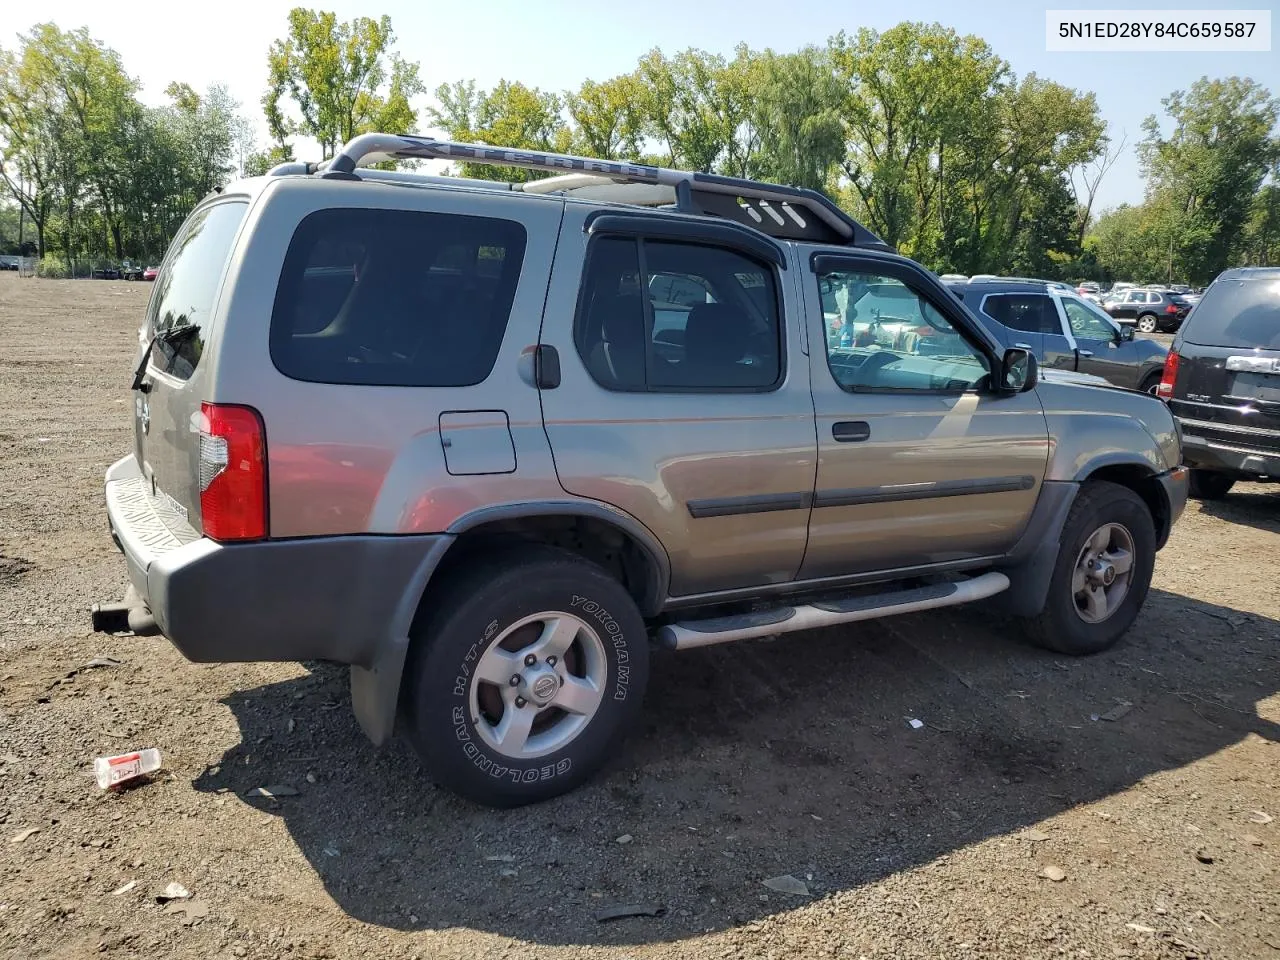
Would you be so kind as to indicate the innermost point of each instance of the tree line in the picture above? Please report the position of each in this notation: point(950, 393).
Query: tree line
point(93, 171)
point(921, 132)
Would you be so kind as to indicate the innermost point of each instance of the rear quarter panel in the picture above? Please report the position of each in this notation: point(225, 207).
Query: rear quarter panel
point(369, 459)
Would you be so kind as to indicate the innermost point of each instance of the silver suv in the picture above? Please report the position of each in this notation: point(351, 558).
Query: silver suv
point(485, 443)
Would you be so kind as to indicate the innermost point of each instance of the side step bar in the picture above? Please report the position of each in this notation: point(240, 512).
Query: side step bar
point(764, 623)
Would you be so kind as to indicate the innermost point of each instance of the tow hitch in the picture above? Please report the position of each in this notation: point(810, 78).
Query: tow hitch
point(131, 616)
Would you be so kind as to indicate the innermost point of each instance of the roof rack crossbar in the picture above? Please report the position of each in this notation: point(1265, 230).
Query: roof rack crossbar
point(698, 192)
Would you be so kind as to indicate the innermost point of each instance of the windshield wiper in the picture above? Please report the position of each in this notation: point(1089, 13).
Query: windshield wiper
point(171, 335)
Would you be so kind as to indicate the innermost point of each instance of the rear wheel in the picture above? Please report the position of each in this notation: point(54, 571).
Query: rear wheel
point(1210, 485)
point(1151, 385)
point(525, 677)
point(1147, 323)
point(1103, 572)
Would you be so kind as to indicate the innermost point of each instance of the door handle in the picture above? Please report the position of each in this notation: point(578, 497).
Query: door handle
point(850, 431)
point(1023, 346)
point(1086, 353)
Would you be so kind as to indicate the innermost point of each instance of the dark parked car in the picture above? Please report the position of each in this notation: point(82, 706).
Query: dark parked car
point(1222, 382)
point(1149, 310)
point(106, 273)
point(1064, 331)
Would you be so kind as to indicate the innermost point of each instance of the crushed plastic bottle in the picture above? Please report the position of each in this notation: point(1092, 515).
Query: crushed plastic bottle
point(113, 771)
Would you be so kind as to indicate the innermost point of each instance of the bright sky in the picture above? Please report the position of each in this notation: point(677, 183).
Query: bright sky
point(556, 44)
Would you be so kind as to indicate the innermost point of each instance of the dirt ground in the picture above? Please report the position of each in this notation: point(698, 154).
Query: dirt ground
point(1148, 776)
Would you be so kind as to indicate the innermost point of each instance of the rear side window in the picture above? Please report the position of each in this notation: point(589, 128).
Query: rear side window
point(703, 318)
point(1028, 312)
point(395, 297)
point(1237, 313)
point(178, 315)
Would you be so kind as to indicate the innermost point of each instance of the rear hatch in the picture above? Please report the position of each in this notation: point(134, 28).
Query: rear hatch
point(1228, 366)
point(175, 333)
point(1181, 306)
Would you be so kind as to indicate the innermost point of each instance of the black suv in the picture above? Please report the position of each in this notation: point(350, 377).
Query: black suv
point(1149, 310)
point(1064, 330)
point(1222, 382)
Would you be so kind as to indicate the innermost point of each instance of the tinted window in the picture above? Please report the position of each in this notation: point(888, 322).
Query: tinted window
point(395, 297)
point(185, 290)
point(1029, 312)
point(886, 336)
point(1238, 314)
point(703, 318)
point(1087, 321)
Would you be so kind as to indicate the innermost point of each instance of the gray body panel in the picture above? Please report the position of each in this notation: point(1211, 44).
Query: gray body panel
point(377, 465)
point(726, 496)
point(940, 478)
point(656, 455)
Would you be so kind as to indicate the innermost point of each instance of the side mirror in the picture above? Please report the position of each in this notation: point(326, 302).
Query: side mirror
point(1126, 333)
point(1019, 371)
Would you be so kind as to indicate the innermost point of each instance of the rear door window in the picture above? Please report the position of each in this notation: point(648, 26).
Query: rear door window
point(1240, 314)
point(705, 318)
point(1029, 312)
point(395, 297)
point(178, 314)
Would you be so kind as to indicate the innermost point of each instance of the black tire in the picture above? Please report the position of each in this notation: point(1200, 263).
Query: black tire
point(1150, 384)
point(1210, 484)
point(1148, 323)
point(1060, 627)
point(476, 606)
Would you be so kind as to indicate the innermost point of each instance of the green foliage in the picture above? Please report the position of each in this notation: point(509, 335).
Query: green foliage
point(95, 172)
point(509, 115)
point(796, 109)
point(923, 133)
point(1208, 205)
point(1202, 176)
point(334, 73)
point(606, 118)
point(1262, 232)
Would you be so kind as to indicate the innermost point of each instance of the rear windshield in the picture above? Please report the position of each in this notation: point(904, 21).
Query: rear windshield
point(395, 297)
point(1237, 313)
point(178, 314)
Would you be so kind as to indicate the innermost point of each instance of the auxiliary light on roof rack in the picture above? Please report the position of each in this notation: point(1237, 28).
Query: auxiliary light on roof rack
point(786, 213)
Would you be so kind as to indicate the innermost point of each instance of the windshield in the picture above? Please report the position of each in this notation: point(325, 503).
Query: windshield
point(1239, 314)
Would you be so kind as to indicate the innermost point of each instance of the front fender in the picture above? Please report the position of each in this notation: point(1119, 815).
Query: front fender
point(1091, 428)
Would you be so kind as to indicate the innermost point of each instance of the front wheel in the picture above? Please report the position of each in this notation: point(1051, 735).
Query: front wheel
point(1210, 485)
point(1147, 323)
point(1103, 572)
point(525, 677)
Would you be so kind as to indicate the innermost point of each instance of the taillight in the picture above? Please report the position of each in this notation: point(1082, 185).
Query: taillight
point(1165, 390)
point(1171, 309)
point(233, 472)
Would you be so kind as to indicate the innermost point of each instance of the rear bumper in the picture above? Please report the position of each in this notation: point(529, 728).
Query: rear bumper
point(1205, 455)
point(343, 599)
point(1247, 458)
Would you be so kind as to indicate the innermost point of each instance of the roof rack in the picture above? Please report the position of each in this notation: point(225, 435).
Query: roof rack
point(786, 213)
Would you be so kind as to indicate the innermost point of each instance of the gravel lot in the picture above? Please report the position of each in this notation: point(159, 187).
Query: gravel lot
point(1147, 776)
